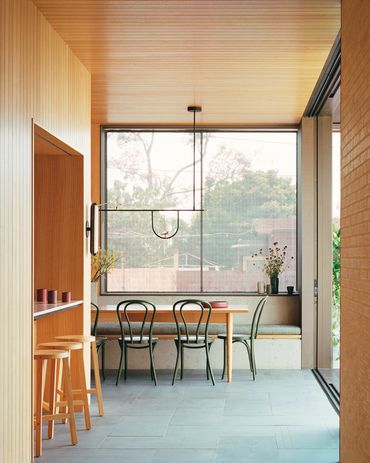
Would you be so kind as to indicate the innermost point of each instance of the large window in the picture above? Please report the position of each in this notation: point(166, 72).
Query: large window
point(245, 187)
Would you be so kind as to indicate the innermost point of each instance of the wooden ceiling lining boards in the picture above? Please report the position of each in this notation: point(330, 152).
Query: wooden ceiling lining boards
point(244, 61)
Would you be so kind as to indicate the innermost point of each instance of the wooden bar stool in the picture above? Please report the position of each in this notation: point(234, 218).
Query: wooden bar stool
point(69, 346)
point(95, 364)
point(42, 357)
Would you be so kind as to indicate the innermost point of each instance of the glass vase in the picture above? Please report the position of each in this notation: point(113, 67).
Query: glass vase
point(274, 285)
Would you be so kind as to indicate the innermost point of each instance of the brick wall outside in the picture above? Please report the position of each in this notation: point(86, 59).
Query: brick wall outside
point(355, 229)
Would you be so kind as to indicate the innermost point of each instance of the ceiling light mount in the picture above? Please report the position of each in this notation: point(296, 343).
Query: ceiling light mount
point(194, 109)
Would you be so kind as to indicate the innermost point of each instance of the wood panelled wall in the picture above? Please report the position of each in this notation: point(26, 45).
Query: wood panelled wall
point(355, 229)
point(40, 78)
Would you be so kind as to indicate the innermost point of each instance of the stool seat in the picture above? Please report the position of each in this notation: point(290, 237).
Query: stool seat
point(77, 338)
point(50, 354)
point(68, 345)
point(94, 360)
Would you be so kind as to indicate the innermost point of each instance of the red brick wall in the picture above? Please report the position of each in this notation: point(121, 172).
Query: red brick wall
point(355, 224)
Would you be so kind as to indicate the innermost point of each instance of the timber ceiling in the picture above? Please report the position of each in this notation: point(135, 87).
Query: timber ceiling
point(244, 62)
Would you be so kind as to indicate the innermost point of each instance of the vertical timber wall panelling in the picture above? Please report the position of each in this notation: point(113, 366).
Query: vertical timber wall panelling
point(355, 230)
point(59, 240)
point(307, 231)
point(40, 78)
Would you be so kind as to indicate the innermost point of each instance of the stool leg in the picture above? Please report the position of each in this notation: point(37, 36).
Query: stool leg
point(84, 389)
point(69, 396)
point(95, 363)
point(40, 378)
point(63, 387)
point(52, 393)
point(59, 392)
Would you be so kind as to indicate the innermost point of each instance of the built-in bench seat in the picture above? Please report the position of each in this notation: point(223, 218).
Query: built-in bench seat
point(168, 330)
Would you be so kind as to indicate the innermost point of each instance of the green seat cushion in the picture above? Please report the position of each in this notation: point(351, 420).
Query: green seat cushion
point(269, 329)
point(112, 328)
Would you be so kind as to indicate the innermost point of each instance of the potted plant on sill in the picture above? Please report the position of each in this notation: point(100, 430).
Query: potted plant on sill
point(274, 264)
point(101, 264)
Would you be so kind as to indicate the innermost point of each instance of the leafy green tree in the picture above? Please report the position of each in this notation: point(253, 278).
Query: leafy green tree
point(336, 286)
point(233, 196)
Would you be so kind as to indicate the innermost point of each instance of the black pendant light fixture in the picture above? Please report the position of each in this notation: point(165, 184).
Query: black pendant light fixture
point(166, 235)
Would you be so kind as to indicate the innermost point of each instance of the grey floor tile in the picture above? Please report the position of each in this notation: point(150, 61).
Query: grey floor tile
point(184, 456)
point(222, 431)
point(208, 403)
point(308, 456)
point(247, 407)
point(260, 448)
point(141, 426)
point(199, 442)
point(197, 417)
point(307, 437)
point(77, 455)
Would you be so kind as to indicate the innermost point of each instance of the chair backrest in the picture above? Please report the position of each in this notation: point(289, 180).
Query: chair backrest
point(190, 306)
point(257, 317)
point(146, 307)
point(95, 327)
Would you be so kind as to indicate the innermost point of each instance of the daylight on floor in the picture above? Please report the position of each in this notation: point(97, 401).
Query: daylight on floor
point(185, 203)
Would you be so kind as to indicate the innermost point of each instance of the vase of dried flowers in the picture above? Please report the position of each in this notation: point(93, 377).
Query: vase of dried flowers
point(101, 264)
point(274, 281)
point(274, 264)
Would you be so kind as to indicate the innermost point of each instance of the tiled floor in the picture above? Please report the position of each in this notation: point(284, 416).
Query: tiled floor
point(282, 417)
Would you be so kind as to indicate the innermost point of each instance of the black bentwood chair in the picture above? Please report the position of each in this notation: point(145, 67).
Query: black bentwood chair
point(140, 339)
point(100, 340)
point(200, 311)
point(247, 339)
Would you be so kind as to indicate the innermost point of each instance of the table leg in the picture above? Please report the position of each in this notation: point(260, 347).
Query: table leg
point(229, 327)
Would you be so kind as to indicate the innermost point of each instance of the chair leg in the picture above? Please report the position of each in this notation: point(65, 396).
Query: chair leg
point(251, 359)
point(120, 364)
point(254, 361)
point(178, 347)
point(225, 356)
point(125, 355)
point(103, 361)
point(182, 362)
point(152, 364)
point(209, 365)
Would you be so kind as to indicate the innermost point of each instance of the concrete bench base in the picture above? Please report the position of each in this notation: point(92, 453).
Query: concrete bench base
point(271, 353)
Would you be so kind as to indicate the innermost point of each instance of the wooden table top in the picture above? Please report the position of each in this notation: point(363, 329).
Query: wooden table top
point(169, 308)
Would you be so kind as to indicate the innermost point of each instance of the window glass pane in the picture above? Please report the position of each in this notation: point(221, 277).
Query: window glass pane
point(250, 203)
point(249, 200)
point(153, 170)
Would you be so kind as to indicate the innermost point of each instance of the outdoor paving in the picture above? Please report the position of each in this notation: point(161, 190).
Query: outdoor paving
point(281, 417)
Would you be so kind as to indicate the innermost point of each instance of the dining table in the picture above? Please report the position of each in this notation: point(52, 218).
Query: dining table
point(164, 314)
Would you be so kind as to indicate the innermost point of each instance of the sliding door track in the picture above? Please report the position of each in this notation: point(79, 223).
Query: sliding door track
point(329, 389)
